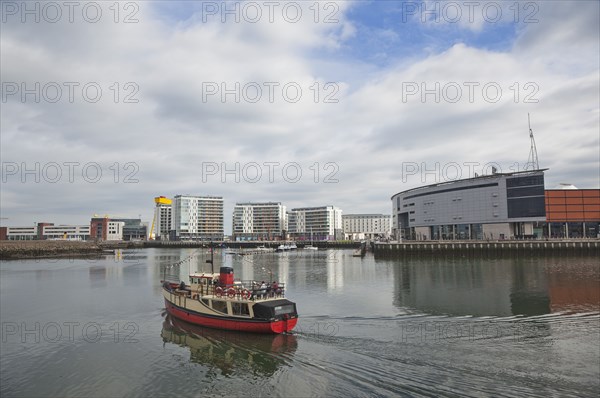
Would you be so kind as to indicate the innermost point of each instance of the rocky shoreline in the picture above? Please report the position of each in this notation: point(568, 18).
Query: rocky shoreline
point(15, 250)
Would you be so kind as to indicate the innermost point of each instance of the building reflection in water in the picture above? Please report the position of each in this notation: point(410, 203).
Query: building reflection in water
point(231, 352)
point(573, 285)
point(335, 274)
point(529, 292)
point(283, 271)
point(496, 287)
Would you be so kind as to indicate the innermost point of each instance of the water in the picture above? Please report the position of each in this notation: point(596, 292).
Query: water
point(435, 327)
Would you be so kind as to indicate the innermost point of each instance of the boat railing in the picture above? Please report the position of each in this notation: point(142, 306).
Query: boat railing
point(248, 290)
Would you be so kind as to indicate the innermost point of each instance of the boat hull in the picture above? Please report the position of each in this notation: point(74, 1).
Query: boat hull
point(228, 323)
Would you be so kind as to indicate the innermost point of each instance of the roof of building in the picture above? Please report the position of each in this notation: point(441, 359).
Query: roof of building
point(478, 178)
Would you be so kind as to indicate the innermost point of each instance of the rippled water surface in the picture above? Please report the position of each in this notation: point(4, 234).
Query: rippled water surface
point(428, 327)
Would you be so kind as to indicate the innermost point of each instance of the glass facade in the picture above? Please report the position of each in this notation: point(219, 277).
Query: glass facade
point(525, 196)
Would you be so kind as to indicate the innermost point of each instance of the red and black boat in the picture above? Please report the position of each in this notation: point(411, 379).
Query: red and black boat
point(218, 301)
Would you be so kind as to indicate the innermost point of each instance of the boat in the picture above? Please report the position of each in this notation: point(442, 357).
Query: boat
point(218, 301)
point(264, 249)
point(311, 247)
point(284, 248)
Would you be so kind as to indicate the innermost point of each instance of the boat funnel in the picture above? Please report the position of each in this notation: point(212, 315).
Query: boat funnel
point(226, 276)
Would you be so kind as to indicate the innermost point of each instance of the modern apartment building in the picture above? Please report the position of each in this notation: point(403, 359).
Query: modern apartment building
point(316, 223)
point(259, 221)
point(197, 218)
point(162, 218)
point(366, 226)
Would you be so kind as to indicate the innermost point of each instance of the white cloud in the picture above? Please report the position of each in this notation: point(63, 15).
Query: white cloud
point(368, 134)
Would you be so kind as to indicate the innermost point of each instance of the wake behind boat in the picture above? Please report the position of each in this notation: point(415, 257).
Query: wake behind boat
point(218, 301)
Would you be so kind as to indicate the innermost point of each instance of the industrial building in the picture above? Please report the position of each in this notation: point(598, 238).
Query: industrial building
point(259, 221)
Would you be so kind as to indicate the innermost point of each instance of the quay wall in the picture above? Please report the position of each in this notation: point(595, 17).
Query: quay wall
point(11, 250)
point(583, 247)
point(252, 244)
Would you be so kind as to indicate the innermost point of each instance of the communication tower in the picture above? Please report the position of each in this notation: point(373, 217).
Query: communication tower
point(532, 160)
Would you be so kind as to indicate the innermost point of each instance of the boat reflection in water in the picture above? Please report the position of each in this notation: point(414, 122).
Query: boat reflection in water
point(231, 352)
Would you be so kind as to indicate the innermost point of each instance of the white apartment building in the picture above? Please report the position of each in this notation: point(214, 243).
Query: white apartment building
point(163, 221)
point(367, 226)
point(258, 221)
point(316, 223)
point(197, 218)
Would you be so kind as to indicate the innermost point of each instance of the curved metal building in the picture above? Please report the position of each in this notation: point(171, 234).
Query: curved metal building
point(497, 206)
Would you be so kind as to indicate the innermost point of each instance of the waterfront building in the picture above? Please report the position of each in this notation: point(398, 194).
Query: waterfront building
point(21, 233)
point(366, 226)
point(258, 221)
point(44, 230)
point(572, 213)
point(66, 232)
point(115, 230)
point(197, 218)
point(104, 228)
point(162, 218)
point(317, 223)
point(133, 228)
point(99, 228)
point(496, 206)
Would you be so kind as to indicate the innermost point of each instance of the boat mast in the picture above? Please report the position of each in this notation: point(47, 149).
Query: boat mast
point(211, 261)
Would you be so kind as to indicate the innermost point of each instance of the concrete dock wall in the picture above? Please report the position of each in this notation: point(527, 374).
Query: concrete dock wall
point(490, 248)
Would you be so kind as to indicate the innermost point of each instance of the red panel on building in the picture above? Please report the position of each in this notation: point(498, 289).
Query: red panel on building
point(573, 205)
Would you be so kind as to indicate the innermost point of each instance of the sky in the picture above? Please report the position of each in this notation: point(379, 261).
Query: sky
point(106, 105)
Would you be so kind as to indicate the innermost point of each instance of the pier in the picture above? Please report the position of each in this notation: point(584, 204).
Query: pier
point(589, 247)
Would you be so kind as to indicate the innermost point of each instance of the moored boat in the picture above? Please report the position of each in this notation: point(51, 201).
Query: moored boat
point(218, 301)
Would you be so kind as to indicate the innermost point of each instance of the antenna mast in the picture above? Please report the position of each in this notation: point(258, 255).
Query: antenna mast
point(532, 161)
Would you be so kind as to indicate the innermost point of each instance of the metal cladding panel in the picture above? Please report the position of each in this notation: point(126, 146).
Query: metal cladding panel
point(460, 202)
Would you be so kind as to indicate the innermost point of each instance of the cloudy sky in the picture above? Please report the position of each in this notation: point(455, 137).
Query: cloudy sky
point(105, 105)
